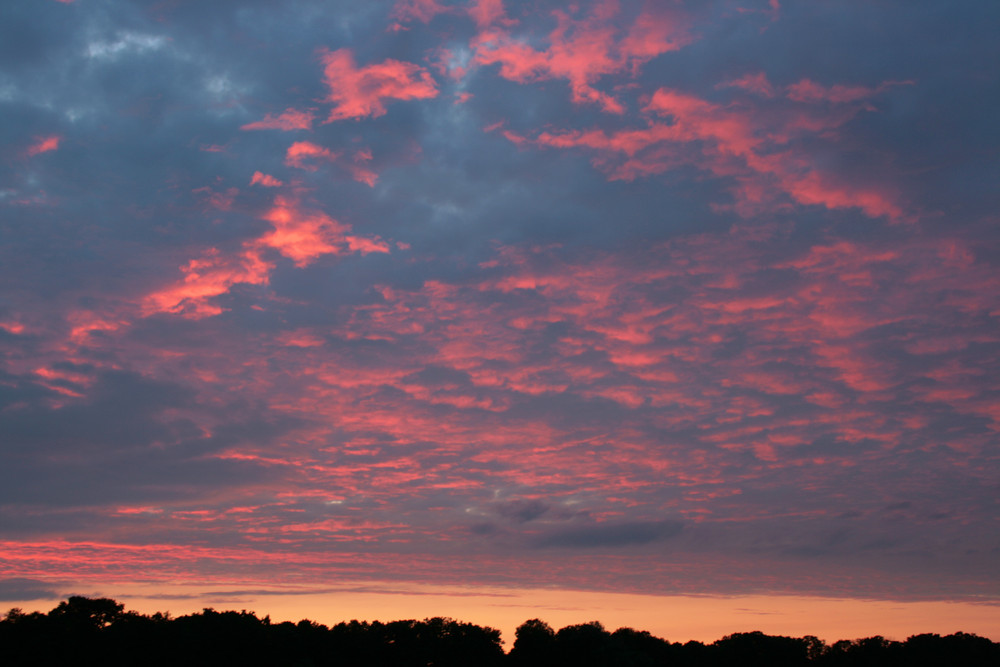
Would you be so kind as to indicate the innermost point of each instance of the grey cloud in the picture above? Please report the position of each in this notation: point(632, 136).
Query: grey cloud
point(522, 511)
point(26, 589)
point(118, 445)
point(630, 533)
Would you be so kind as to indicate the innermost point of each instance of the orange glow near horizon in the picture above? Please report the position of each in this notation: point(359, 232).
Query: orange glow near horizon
point(677, 618)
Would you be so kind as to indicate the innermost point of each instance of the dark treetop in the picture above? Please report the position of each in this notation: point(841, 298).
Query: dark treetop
point(88, 631)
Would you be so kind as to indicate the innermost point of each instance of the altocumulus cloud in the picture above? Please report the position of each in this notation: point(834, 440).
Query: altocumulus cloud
point(471, 289)
point(26, 589)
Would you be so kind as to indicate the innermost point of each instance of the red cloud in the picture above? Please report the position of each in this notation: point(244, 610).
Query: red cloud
point(809, 91)
point(752, 83)
point(210, 276)
point(84, 322)
point(289, 120)
point(301, 235)
point(366, 245)
point(12, 327)
point(363, 175)
point(421, 10)
point(582, 51)
point(298, 234)
point(360, 172)
point(738, 135)
point(360, 92)
point(268, 181)
point(300, 151)
point(734, 377)
point(486, 12)
point(222, 201)
point(300, 338)
point(825, 190)
point(747, 147)
point(808, 337)
point(43, 145)
point(483, 12)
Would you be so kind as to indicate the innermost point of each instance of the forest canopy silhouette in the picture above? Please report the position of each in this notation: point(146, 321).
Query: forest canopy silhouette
point(99, 631)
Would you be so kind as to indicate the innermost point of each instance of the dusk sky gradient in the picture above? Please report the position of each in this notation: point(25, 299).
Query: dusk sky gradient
point(664, 298)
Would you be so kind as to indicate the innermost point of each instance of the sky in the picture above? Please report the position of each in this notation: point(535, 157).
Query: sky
point(663, 301)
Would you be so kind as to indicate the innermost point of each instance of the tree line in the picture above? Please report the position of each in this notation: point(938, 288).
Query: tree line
point(99, 631)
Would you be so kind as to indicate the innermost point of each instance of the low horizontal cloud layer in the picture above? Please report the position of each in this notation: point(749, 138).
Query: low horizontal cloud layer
point(26, 589)
point(486, 291)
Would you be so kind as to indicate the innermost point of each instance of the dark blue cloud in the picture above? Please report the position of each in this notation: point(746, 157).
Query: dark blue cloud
point(18, 588)
point(615, 535)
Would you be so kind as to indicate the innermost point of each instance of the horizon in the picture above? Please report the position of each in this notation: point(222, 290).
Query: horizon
point(674, 618)
point(704, 618)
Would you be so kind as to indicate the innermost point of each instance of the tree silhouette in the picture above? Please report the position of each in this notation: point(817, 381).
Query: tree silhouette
point(534, 644)
point(584, 645)
point(86, 631)
point(640, 649)
point(88, 612)
point(756, 649)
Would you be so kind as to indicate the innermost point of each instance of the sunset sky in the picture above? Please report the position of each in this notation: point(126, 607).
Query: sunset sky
point(610, 304)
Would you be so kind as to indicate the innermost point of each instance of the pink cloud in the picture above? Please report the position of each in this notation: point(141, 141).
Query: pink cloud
point(300, 151)
point(419, 10)
point(291, 119)
point(750, 148)
point(266, 180)
point(297, 233)
point(486, 12)
point(825, 190)
point(83, 323)
point(301, 338)
point(752, 83)
point(582, 51)
point(13, 327)
point(43, 145)
point(632, 331)
point(209, 276)
point(738, 379)
point(359, 171)
point(305, 154)
point(809, 91)
point(302, 235)
point(222, 201)
point(654, 33)
point(360, 92)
